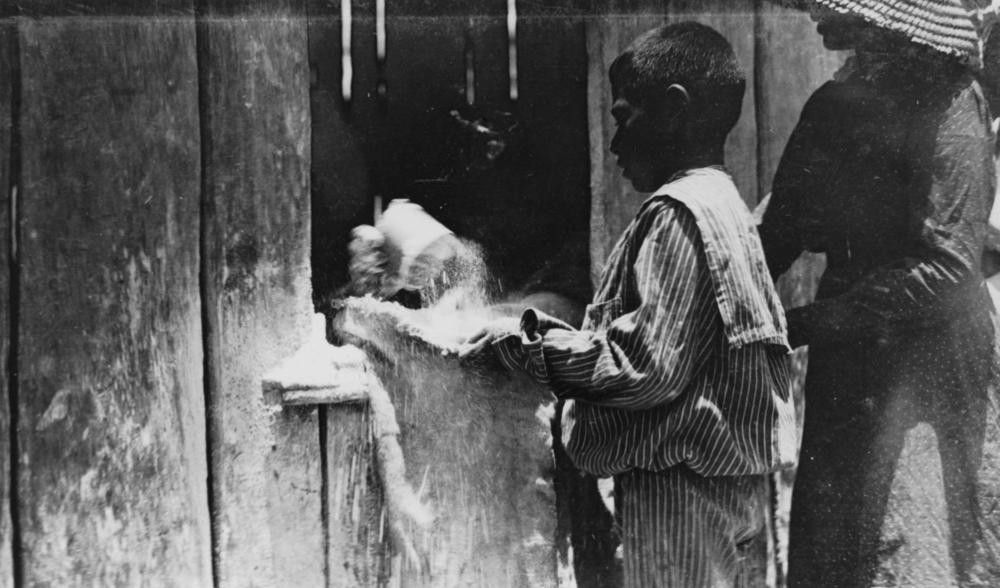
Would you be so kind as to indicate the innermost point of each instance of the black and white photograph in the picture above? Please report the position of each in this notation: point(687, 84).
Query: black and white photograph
point(500, 293)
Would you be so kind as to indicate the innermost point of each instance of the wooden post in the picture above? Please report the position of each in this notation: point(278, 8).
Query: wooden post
point(358, 549)
point(111, 409)
point(7, 72)
point(265, 460)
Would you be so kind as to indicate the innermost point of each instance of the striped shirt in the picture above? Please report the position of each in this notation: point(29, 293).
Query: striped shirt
point(683, 356)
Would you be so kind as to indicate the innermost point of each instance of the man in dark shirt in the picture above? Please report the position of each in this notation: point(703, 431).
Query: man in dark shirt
point(890, 174)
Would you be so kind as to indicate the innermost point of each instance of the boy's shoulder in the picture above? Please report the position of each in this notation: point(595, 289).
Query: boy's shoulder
point(703, 191)
point(659, 205)
point(664, 212)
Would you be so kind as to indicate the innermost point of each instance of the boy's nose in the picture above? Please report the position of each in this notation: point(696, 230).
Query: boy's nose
point(615, 147)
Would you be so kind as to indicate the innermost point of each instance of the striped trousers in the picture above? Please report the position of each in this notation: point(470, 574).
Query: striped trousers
point(682, 529)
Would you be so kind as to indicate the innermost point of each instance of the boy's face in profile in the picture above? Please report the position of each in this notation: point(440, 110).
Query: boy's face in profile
point(645, 141)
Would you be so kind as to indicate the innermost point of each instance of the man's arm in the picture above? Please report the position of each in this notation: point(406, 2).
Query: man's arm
point(948, 211)
point(803, 169)
point(645, 357)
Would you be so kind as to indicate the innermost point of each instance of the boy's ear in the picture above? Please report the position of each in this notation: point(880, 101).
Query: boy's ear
point(676, 98)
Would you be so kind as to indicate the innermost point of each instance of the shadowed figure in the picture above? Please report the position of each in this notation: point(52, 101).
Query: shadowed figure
point(890, 174)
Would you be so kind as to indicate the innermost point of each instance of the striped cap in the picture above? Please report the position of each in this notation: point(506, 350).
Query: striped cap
point(955, 27)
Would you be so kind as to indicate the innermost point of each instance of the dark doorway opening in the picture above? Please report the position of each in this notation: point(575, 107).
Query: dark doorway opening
point(436, 113)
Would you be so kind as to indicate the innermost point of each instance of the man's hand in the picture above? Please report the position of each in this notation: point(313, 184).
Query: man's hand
point(494, 331)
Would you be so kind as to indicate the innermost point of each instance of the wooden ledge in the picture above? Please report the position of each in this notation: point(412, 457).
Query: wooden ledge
point(319, 373)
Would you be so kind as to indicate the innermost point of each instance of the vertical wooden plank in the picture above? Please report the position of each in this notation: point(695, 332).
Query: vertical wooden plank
point(7, 40)
point(265, 460)
point(111, 423)
point(358, 549)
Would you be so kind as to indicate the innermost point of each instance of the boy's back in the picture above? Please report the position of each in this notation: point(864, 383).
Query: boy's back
point(711, 391)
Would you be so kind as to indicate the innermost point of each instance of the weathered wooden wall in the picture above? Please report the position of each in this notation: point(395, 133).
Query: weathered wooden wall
point(160, 160)
point(7, 60)
point(110, 410)
point(265, 460)
point(358, 550)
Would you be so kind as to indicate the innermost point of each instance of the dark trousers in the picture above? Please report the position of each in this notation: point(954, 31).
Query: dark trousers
point(898, 481)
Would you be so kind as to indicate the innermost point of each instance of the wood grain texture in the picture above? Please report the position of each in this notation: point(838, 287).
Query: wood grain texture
point(111, 436)
point(358, 548)
point(7, 40)
point(265, 459)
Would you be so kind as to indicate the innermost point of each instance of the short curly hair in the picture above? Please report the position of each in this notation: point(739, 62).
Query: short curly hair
point(693, 55)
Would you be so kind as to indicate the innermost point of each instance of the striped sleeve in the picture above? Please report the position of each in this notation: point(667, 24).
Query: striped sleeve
point(647, 356)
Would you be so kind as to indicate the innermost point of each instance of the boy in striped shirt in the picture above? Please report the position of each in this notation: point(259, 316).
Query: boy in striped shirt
point(678, 383)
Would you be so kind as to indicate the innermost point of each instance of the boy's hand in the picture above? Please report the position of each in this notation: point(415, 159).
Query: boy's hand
point(494, 331)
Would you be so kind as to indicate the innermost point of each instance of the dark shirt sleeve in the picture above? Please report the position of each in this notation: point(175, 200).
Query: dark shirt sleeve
point(645, 357)
point(951, 194)
point(803, 169)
